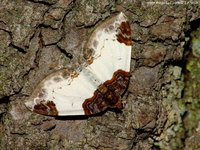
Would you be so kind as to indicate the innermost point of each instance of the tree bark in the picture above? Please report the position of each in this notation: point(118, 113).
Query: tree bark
point(161, 105)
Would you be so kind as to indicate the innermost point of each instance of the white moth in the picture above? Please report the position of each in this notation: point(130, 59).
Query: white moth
point(99, 84)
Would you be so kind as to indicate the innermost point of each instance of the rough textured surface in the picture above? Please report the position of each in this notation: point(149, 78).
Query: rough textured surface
point(161, 110)
point(191, 99)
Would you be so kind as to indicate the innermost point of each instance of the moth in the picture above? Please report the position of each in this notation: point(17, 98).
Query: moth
point(99, 84)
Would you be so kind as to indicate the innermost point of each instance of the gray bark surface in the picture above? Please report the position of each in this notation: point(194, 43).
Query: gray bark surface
point(161, 106)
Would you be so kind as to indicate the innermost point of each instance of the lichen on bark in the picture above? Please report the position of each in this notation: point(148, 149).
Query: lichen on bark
point(161, 106)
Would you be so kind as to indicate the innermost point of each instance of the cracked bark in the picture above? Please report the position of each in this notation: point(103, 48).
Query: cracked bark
point(38, 37)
